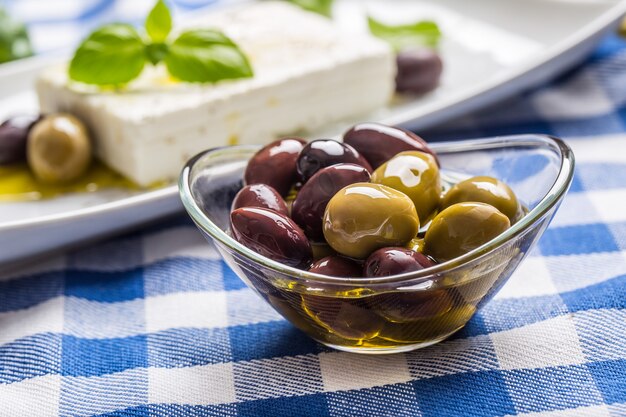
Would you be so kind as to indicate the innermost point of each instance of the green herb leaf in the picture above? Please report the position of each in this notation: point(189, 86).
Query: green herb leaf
point(156, 52)
point(424, 33)
point(14, 42)
point(323, 7)
point(112, 55)
point(159, 22)
point(205, 55)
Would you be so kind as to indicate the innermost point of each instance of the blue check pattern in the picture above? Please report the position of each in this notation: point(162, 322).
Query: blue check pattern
point(154, 323)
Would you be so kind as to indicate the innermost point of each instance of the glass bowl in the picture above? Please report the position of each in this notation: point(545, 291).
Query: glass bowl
point(402, 312)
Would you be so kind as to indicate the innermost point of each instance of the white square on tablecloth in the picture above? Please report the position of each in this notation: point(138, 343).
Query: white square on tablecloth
point(37, 396)
point(531, 279)
point(204, 309)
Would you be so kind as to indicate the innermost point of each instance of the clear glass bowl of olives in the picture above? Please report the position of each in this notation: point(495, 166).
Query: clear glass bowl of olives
point(381, 243)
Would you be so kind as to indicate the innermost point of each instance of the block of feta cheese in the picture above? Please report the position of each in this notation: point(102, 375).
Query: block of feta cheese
point(308, 73)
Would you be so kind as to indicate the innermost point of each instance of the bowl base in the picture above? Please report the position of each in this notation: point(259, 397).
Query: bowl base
point(391, 350)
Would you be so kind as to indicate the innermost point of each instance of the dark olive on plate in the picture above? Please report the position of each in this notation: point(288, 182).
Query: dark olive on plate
point(260, 195)
point(308, 208)
point(13, 138)
point(322, 153)
point(462, 228)
point(363, 217)
point(484, 189)
point(379, 143)
point(275, 165)
point(336, 266)
point(59, 149)
point(271, 234)
point(394, 260)
point(419, 70)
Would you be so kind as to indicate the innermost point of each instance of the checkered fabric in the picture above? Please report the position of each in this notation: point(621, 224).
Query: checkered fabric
point(154, 323)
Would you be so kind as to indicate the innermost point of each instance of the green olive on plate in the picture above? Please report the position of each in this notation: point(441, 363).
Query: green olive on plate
point(415, 174)
point(59, 149)
point(363, 217)
point(461, 228)
point(486, 190)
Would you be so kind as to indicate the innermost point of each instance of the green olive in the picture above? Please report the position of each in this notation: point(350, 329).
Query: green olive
point(416, 245)
point(461, 228)
point(416, 174)
point(59, 149)
point(483, 189)
point(363, 217)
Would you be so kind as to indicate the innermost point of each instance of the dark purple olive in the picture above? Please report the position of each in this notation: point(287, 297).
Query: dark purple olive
point(336, 266)
point(308, 209)
point(275, 165)
point(401, 307)
point(260, 195)
point(271, 234)
point(13, 136)
point(379, 143)
point(392, 261)
point(419, 71)
point(326, 152)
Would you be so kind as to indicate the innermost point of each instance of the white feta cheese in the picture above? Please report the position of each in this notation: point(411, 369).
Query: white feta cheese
point(307, 74)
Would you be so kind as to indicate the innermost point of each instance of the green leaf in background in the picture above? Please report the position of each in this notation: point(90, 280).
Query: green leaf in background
point(323, 7)
point(205, 55)
point(424, 33)
point(14, 41)
point(112, 55)
point(159, 22)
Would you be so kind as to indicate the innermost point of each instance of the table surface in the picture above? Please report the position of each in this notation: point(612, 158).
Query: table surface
point(154, 323)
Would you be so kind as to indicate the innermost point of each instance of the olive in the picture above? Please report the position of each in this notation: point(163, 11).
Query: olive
point(416, 245)
point(419, 70)
point(401, 307)
point(415, 174)
point(336, 266)
point(275, 165)
point(308, 208)
point(379, 143)
point(461, 228)
point(13, 138)
point(59, 149)
point(484, 190)
point(363, 217)
point(326, 152)
point(271, 234)
point(321, 250)
point(260, 195)
point(347, 318)
point(393, 261)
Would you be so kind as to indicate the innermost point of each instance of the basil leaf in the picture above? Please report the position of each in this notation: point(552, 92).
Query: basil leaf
point(112, 55)
point(159, 22)
point(424, 33)
point(204, 56)
point(323, 7)
point(14, 42)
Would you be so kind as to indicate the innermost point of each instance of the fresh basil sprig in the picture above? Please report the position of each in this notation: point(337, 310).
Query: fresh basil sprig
point(323, 7)
point(116, 53)
point(14, 42)
point(425, 33)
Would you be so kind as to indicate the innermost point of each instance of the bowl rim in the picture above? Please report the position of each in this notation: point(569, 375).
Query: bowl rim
point(551, 199)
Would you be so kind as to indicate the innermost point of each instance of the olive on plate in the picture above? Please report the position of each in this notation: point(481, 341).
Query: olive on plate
point(13, 137)
point(322, 153)
point(419, 70)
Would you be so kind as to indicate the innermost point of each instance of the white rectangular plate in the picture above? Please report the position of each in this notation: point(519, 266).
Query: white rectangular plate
point(491, 49)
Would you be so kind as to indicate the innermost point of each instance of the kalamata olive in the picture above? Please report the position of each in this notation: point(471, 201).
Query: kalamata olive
point(415, 174)
point(379, 143)
point(275, 165)
point(59, 149)
point(13, 137)
point(271, 234)
point(260, 195)
point(486, 190)
point(419, 70)
point(402, 307)
point(336, 266)
point(347, 318)
point(363, 217)
point(393, 261)
point(326, 152)
point(308, 208)
point(461, 228)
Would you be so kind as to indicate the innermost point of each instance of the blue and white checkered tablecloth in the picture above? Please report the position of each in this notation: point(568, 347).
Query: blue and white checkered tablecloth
point(154, 323)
